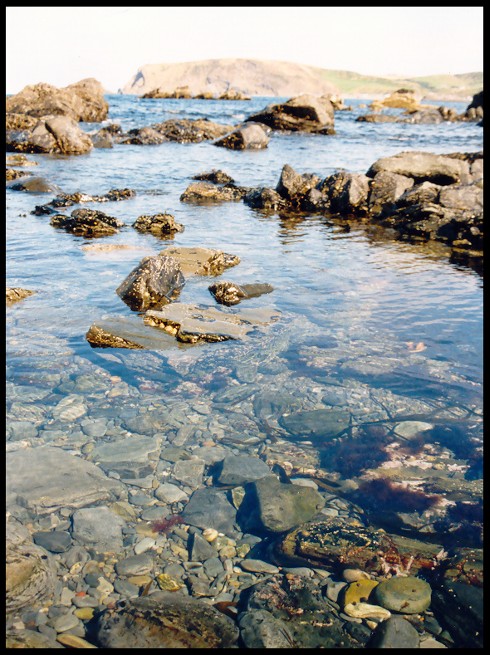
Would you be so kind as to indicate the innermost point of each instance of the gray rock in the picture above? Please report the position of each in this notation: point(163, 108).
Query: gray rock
point(409, 595)
point(395, 632)
point(459, 606)
point(316, 424)
point(305, 113)
point(251, 136)
point(100, 528)
point(170, 493)
point(276, 507)
point(30, 639)
point(189, 472)
point(131, 457)
point(55, 541)
point(46, 479)
point(210, 508)
point(200, 549)
point(135, 565)
point(423, 166)
point(239, 469)
point(258, 566)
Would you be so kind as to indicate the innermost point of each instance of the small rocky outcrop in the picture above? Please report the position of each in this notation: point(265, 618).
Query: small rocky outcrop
point(87, 223)
point(305, 113)
point(14, 174)
point(162, 225)
point(127, 332)
point(14, 294)
point(82, 101)
point(215, 176)
point(207, 192)
point(229, 293)
point(165, 620)
point(191, 131)
point(69, 199)
point(401, 99)
point(251, 136)
point(155, 282)
point(424, 167)
point(57, 134)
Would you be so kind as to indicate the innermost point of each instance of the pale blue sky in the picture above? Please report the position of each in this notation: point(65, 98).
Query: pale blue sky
point(61, 45)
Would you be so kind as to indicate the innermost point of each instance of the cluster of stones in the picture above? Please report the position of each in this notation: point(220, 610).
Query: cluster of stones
point(418, 113)
point(251, 561)
point(185, 92)
point(422, 196)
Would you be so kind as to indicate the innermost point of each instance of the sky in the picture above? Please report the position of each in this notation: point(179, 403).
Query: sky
point(62, 45)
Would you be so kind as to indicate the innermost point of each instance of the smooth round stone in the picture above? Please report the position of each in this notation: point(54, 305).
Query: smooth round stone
point(65, 622)
point(258, 566)
point(406, 595)
point(55, 542)
point(84, 613)
point(353, 575)
point(145, 544)
point(334, 589)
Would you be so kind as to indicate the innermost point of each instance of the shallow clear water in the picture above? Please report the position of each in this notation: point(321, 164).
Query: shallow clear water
point(351, 301)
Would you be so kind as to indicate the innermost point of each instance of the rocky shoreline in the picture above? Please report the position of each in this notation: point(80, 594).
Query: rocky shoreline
point(338, 520)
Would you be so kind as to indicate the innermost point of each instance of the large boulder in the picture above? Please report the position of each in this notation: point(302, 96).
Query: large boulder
point(82, 101)
point(251, 136)
point(52, 133)
point(305, 113)
point(424, 166)
point(155, 282)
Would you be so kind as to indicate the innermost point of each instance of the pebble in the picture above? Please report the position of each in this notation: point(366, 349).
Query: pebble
point(145, 544)
point(72, 641)
point(65, 622)
point(366, 611)
point(84, 613)
point(359, 591)
point(258, 566)
point(334, 589)
point(409, 595)
point(353, 575)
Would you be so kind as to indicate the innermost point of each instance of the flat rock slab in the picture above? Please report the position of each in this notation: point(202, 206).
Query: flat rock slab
point(192, 324)
point(201, 261)
point(127, 332)
point(45, 479)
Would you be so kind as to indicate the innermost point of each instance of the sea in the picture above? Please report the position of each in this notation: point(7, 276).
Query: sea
point(388, 331)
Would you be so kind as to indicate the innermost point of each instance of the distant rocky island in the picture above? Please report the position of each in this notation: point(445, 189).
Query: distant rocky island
point(253, 77)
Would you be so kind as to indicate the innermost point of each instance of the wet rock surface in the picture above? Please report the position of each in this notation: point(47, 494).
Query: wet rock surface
point(14, 294)
point(155, 282)
point(229, 293)
point(302, 113)
point(87, 223)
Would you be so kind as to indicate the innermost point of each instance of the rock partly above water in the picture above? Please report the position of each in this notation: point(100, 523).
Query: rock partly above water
point(305, 113)
point(155, 282)
point(14, 294)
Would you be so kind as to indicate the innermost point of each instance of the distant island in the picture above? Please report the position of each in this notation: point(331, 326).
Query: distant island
point(253, 77)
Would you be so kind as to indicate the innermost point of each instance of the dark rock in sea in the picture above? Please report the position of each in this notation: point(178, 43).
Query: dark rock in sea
point(377, 118)
point(215, 176)
point(273, 507)
point(87, 223)
point(265, 199)
point(395, 632)
point(250, 136)
point(14, 174)
point(293, 186)
point(163, 225)
point(32, 184)
point(187, 130)
point(385, 189)
point(459, 608)
point(82, 101)
point(347, 192)
point(228, 293)
point(305, 113)
point(142, 136)
point(29, 639)
point(155, 282)
point(165, 620)
point(205, 192)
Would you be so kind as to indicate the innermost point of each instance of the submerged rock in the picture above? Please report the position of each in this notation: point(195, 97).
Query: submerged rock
point(193, 324)
point(165, 620)
point(201, 261)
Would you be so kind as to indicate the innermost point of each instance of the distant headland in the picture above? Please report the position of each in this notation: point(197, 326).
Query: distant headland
point(254, 77)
